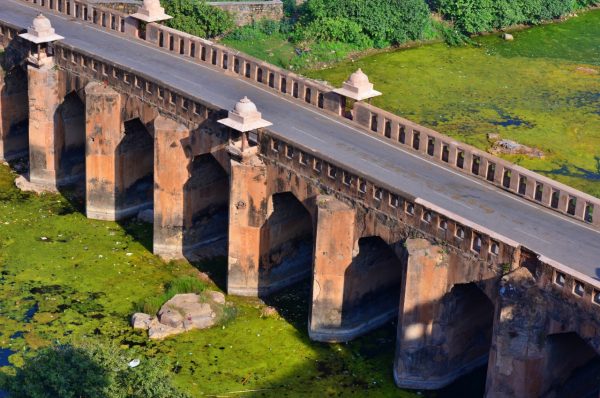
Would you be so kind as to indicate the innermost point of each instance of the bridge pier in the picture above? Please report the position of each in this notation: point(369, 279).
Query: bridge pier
point(444, 326)
point(190, 193)
point(356, 279)
point(13, 114)
point(118, 161)
point(170, 176)
point(45, 142)
point(247, 214)
point(539, 347)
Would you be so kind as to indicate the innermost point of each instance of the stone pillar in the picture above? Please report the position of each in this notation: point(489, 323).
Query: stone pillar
point(45, 145)
point(247, 214)
point(333, 255)
point(104, 131)
point(170, 175)
point(445, 324)
point(516, 362)
point(13, 114)
point(423, 287)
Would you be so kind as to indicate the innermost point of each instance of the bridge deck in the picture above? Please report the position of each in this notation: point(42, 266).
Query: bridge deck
point(548, 233)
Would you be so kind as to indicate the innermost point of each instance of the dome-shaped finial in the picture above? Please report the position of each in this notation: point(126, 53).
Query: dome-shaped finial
point(245, 117)
point(151, 11)
point(358, 87)
point(41, 31)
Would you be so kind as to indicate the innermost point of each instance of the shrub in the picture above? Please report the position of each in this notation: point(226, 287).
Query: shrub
point(198, 18)
point(335, 30)
point(473, 16)
point(89, 369)
point(184, 284)
point(383, 21)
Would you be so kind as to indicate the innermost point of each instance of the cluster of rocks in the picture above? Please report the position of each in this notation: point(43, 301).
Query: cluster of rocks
point(508, 147)
point(181, 313)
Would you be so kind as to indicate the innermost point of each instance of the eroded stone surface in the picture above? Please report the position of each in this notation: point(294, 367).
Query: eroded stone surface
point(181, 313)
point(139, 320)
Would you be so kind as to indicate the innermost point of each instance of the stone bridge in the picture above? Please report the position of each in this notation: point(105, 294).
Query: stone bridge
point(480, 260)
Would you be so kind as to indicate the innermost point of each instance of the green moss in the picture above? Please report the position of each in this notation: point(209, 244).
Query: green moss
point(86, 276)
point(540, 90)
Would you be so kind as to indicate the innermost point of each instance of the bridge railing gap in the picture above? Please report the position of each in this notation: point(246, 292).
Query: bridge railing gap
point(409, 135)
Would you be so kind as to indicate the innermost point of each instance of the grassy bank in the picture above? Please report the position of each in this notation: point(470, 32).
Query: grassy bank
point(64, 277)
point(540, 90)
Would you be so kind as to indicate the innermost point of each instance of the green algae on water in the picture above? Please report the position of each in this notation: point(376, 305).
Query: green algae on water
point(541, 90)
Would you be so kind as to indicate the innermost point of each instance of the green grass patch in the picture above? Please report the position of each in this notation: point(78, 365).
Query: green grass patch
point(182, 284)
point(540, 90)
point(84, 280)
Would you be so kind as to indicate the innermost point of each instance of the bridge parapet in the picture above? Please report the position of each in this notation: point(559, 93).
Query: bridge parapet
point(428, 143)
point(472, 161)
point(81, 9)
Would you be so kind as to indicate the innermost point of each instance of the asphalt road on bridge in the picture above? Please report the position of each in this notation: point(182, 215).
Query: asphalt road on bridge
point(548, 233)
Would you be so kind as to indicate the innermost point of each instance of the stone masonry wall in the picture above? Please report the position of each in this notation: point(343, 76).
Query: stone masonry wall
point(247, 12)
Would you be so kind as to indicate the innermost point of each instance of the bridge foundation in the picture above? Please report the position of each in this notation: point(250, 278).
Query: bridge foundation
point(444, 326)
point(13, 114)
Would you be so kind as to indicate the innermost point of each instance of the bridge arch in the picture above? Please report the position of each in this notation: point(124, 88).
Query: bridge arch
point(205, 203)
point(286, 243)
point(570, 367)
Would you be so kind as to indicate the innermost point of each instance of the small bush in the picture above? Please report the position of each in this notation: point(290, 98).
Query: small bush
point(184, 284)
point(198, 18)
point(88, 369)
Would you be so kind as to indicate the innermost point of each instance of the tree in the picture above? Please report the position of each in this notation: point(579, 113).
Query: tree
point(89, 369)
point(198, 18)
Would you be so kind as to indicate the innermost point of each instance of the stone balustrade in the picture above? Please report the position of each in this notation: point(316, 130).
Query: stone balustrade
point(472, 161)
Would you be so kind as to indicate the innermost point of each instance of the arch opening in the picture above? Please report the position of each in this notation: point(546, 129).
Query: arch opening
point(571, 367)
point(286, 244)
point(206, 205)
point(134, 159)
point(70, 118)
point(372, 283)
point(468, 323)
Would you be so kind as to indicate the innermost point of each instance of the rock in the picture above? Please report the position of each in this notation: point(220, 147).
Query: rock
point(25, 185)
point(493, 136)
point(146, 216)
point(186, 311)
point(181, 313)
point(507, 36)
point(514, 148)
point(216, 297)
point(269, 312)
point(170, 316)
point(587, 71)
point(139, 320)
point(158, 331)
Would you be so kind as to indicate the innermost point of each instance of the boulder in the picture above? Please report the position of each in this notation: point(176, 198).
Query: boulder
point(186, 311)
point(158, 331)
point(507, 36)
point(181, 313)
point(139, 320)
point(26, 186)
point(216, 297)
